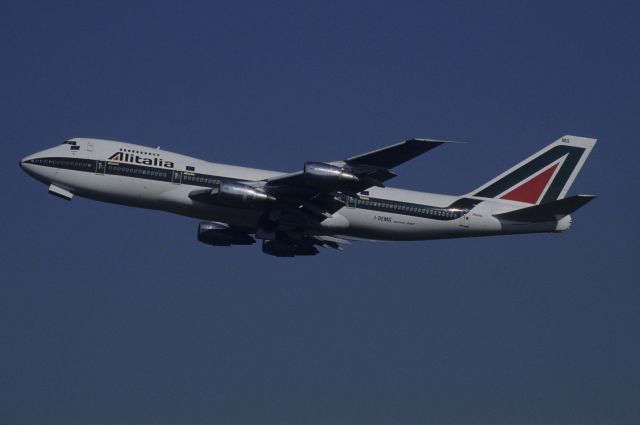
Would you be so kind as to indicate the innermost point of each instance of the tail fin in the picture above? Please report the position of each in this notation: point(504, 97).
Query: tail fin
point(543, 177)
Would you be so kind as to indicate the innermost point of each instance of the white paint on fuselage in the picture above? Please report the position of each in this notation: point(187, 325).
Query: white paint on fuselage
point(348, 221)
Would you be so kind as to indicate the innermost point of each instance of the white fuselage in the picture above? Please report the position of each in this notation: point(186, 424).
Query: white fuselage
point(139, 176)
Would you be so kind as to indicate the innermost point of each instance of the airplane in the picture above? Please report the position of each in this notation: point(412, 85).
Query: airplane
point(325, 204)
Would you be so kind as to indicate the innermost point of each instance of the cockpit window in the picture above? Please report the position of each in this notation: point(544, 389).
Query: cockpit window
point(70, 142)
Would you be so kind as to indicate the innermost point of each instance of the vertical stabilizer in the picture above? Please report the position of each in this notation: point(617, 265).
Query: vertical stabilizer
point(543, 177)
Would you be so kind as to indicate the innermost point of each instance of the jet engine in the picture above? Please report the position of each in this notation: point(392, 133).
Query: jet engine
point(321, 172)
point(242, 193)
point(233, 194)
point(218, 234)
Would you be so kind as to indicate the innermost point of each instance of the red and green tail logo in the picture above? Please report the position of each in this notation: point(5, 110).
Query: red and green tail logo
point(543, 177)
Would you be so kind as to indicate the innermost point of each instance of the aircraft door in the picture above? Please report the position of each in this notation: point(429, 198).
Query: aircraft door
point(351, 201)
point(465, 219)
point(177, 177)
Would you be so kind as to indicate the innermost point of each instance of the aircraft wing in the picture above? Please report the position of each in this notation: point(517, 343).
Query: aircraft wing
point(349, 176)
point(303, 199)
point(394, 155)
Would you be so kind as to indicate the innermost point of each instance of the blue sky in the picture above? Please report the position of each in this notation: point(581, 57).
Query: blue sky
point(111, 314)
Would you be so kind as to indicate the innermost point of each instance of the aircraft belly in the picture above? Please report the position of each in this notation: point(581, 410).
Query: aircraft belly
point(114, 189)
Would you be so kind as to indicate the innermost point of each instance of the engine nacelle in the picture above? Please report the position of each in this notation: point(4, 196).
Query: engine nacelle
point(321, 172)
point(218, 234)
point(240, 194)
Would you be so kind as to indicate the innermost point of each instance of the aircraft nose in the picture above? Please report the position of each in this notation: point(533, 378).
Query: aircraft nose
point(25, 163)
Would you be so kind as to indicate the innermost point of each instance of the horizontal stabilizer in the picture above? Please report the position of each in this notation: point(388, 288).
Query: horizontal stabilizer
point(549, 211)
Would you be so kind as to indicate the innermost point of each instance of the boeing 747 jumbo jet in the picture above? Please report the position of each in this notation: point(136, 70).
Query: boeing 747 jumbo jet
point(325, 204)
